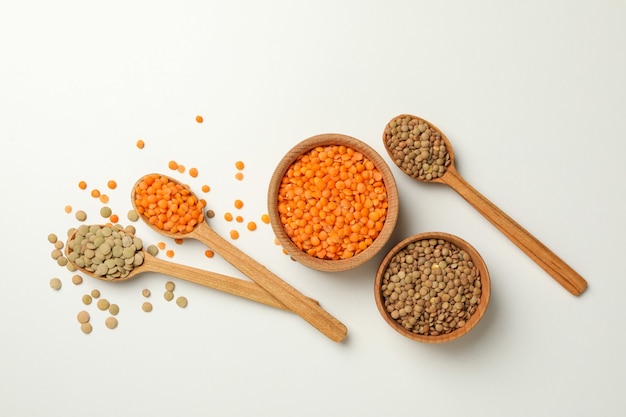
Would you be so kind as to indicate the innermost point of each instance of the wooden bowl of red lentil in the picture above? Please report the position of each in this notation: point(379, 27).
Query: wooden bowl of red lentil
point(333, 202)
point(432, 287)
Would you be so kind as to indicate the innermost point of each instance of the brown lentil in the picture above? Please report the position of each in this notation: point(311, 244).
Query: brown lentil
point(55, 284)
point(110, 322)
point(114, 309)
point(103, 304)
point(77, 279)
point(86, 328)
point(95, 293)
point(82, 317)
point(147, 307)
point(181, 302)
point(168, 295)
point(431, 287)
point(145, 292)
point(87, 299)
point(170, 286)
point(415, 148)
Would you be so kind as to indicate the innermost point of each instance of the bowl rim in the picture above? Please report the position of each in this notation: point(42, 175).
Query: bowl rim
point(289, 158)
point(478, 261)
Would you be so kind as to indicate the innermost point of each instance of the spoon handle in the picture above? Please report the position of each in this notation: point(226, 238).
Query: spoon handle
point(235, 286)
point(537, 251)
point(285, 293)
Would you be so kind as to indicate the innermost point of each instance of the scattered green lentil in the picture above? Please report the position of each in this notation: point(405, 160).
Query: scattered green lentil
point(95, 293)
point(130, 229)
point(55, 284)
point(106, 212)
point(147, 307)
point(132, 215)
point(81, 216)
point(153, 250)
point(87, 299)
point(86, 328)
point(62, 261)
point(145, 292)
point(56, 254)
point(170, 286)
point(181, 302)
point(114, 309)
point(431, 287)
point(103, 304)
point(210, 214)
point(110, 322)
point(52, 238)
point(83, 317)
point(58, 244)
point(168, 295)
point(416, 148)
point(77, 279)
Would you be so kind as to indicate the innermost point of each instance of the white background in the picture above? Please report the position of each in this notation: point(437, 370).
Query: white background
point(531, 95)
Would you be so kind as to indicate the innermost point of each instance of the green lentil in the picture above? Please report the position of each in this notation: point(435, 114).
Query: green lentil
point(52, 238)
point(77, 279)
point(81, 216)
point(170, 286)
point(114, 309)
point(106, 251)
point(95, 293)
point(103, 304)
point(153, 250)
point(431, 287)
point(416, 148)
point(181, 302)
point(145, 292)
point(87, 299)
point(86, 328)
point(147, 307)
point(83, 317)
point(55, 284)
point(168, 295)
point(106, 212)
point(110, 322)
point(133, 216)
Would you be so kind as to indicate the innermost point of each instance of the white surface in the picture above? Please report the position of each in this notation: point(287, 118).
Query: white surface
point(531, 95)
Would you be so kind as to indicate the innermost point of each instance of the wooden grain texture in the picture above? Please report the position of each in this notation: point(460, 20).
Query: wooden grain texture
point(328, 265)
point(224, 283)
point(530, 245)
point(291, 298)
point(485, 282)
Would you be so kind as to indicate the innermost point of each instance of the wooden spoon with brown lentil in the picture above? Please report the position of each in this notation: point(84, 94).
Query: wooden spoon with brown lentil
point(111, 254)
point(423, 152)
point(172, 209)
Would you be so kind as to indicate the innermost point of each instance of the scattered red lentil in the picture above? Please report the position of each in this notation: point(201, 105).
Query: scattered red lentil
point(161, 245)
point(178, 241)
point(68, 209)
point(206, 188)
point(104, 198)
point(82, 185)
point(95, 193)
point(193, 172)
point(251, 226)
point(199, 119)
point(112, 184)
point(172, 165)
point(181, 168)
point(265, 218)
point(239, 219)
point(140, 144)
point(239, 165)
point(114, 218)
point(238, 204)
point(209, 253)
point(234, 234)
point(332, 202)
point(168, 205)
point(228, 217)
point(169, 253)
point(239, 176)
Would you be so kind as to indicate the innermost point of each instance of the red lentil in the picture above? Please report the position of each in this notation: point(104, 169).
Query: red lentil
point(332, 202)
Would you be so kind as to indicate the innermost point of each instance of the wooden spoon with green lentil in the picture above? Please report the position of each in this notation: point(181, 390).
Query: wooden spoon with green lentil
point(110, 253)
point(161, 200)
point(423, 152)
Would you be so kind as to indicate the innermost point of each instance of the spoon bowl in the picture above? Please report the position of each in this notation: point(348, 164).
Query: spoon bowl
point(200, 230)
point(423, 151)
point(234, 286)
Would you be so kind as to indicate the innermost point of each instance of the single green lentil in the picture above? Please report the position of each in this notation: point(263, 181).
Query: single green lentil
point(146, 306)
point(106, 212)
point(83, 316)
point(86, 328)
point(145, 292)
point(55, 284)
point(77, 279)
point(95, 293)
point(87, 299)
point(52, 238)
point(133, 216)
point(181, 302)
point(170, 286)
point(81, 216)
point(153, 250)
point(110, 322)
point(168, 295)
point(103, 304)
point(114, 309)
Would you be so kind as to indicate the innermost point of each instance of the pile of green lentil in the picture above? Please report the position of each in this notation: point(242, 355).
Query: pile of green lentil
point(431, 287)
point(106, 251)
point(415, 148)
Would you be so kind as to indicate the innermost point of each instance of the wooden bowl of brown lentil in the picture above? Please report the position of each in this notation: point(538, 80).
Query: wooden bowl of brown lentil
point(432, 287)
point(333, 202)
